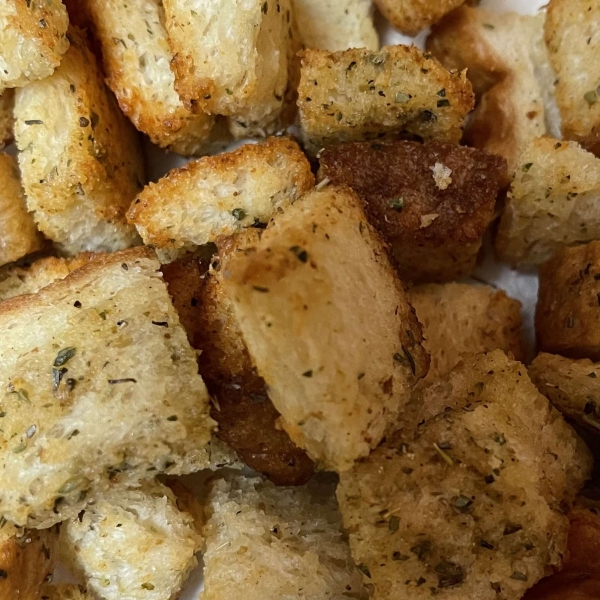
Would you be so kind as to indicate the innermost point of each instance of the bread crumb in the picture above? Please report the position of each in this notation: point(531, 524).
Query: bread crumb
point(427, 220)
point(441, 174)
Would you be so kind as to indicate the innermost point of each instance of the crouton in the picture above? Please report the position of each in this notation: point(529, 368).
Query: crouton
point(136, 59)
point(412, 16)
point(327, 325)
point(471, 504)
point(96, 371)
point(573, 386)
point(553, 201)
point(459, 319)
point(333, 25)
point(26, 562)
point(247, 419)
point(568, 309)
point(434, 222)
point(132, 544)
point(80, 159)
point(220, 195)
point(361, 95)
point(7, 100)
point(511, 74)
point(573, 39)
point(230, 57)
point(65, 591)
point(18, 234)
point(33, 39)
point(269, 542)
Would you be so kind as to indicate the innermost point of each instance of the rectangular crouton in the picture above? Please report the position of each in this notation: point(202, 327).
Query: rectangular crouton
point(80, 158)
point(360, 95)
point(471, 504)
point(99, 385)
point(573, 38)
point(431, 202)
point(66, 591)
point(18, 233)
point(33, 39)
point(412, 16)
point(459, 320)
point(269, 542)
point(553, 201)
point(567, 314)
point(328, 326)
point(7, 101)
point(220, 195)
point(137, 58)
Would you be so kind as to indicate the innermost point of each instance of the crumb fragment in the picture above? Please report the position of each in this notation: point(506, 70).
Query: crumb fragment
point(441, 175)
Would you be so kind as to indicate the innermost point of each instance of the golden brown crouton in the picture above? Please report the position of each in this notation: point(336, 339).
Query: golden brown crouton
point(567, 315)
point(80, 158)
point(66, 591)
point(7, 100)
point(363, 95)
point(412, 16)
point(573, 39)
point(431, 202)
point(470, 505)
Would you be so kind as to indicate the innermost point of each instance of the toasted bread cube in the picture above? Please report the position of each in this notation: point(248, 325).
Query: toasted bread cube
point(573, 386)
point(269, 542)
point(412, 16)
point(360, 95)
point(7, 100)
point(18, 233)
point(80, 158)
point(567, 315)
point(33, 40)
point(100, 385)
point(221, 195)
point(468, 505)
point(328, 326)
point(508, 65)
point(459, 320)
point(573, 39)
point(336, 25)
point(66, 591)
point(431, 202)
point(132, 544)
point(553, 201)
point(137, 58)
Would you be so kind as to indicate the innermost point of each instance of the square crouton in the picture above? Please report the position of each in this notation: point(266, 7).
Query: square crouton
point(79, 156)
point(573, 386)
point(363, 95)
point(573, 39)
point(220, 195)
point(431, 202)
point(133, 544)
point(100, 385)
point(328, 326)
point(33, 39)
point(553, 201)
point(567, 315)
point(18, 233)
point(459, 320)
point(66, 591)
point(412, 16)
point(471, 504)
point(268, 542)
point(7, 101)
point(137, 59)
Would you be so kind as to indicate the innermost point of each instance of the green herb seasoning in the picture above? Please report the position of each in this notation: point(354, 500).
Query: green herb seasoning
point(64, 356)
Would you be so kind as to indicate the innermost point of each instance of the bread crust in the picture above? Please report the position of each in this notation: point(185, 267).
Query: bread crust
point(7, 101)
point(412, 16)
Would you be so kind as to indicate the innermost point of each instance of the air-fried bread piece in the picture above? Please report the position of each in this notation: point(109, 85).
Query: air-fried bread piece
point(7, 100)
point(336, 25)
point(328, 326)
point(136, 58)
point(220, 195)
point(97, 371)
point(567, 315)
point(412, 16)
point(79, 156)
point(132, 544)
point(360, 95)
point(459, 319)
point(33, 39)
point(269, 542)
point(432, 202)
point(65, 591)
point(573, 386)
point(573, 39)
point(469, 505)
point(553, 201)
point(18, 233)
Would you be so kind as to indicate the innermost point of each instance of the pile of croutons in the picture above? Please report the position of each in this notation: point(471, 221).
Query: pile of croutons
point(294, 321)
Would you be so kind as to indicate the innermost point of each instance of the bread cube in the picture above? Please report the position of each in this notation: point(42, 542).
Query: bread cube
point(7, 100)
point(568, 309)
point(431, 202)
point(412, 16)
